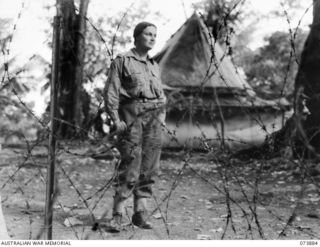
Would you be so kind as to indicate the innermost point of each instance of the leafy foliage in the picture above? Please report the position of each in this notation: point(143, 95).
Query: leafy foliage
point(271, 69)
point(222, 16)
point(15, 81)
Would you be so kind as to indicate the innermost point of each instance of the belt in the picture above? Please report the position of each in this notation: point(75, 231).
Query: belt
point(147, 100)
point(140, 100)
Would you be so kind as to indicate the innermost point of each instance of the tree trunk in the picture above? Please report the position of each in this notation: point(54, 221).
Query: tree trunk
point(80, 108)
point(71, 69)
point(307, 81)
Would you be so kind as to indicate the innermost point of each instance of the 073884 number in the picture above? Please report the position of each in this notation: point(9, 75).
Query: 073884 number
point(309, 242)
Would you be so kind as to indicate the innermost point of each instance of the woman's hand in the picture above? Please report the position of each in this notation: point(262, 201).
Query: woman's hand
point(120, 126)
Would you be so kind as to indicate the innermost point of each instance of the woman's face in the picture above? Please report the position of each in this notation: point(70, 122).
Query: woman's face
point(147, 39)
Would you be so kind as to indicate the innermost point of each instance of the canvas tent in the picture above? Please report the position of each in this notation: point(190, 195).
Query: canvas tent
point(207, 96)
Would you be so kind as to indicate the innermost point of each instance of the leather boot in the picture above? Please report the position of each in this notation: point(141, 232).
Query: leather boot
point(114, 225)
point(139, 218)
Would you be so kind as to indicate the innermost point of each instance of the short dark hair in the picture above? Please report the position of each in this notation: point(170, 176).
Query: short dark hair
point(140, 27)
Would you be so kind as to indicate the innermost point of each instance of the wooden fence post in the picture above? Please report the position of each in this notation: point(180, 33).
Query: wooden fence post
point(53, 128)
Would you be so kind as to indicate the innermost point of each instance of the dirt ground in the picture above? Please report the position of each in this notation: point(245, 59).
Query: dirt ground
point(197, 196)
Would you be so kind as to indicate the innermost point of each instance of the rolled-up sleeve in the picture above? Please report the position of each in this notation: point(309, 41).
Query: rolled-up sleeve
point(112, 90)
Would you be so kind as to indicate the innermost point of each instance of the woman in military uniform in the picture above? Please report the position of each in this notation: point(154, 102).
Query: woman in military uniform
point(134, 100)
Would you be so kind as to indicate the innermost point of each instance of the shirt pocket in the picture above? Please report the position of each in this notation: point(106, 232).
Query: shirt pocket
point(133, 79)
point(156, 86)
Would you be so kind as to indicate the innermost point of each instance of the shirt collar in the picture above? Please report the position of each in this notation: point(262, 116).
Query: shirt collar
point(133, 53)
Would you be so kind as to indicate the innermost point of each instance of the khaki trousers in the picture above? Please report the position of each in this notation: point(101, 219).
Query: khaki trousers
point(140, 149)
